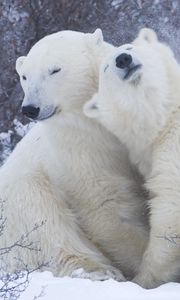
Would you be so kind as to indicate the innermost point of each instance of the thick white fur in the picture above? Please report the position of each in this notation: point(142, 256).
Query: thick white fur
point(70, 172)
point(144, 113)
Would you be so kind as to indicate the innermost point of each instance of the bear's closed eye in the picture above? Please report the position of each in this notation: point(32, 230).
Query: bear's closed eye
point(55, 71)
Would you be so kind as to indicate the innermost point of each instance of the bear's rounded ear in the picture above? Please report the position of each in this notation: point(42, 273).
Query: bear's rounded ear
point(148, 35)
point(90, 108)
point(96, 37)
point(19, 62)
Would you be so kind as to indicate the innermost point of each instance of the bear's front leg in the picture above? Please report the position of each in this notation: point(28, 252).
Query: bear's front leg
point(79, 257)
point(86, 267)
point(161, 260)
point(61, 243)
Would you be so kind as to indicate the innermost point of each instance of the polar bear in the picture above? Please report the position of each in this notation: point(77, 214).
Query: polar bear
point(139, 101)
point(69, 171)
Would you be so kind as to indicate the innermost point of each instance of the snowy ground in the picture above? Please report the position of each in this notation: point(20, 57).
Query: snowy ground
point(46, 287)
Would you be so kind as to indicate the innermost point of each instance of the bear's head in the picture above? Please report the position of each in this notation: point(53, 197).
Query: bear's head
point(139, 87)
point(60, 73)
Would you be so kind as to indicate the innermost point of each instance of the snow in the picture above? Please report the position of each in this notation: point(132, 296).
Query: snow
point(5, 142)
point(19, 130)
point(46, 287)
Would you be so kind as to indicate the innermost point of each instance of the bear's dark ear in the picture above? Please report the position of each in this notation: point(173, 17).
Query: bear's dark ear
point(148, 35)
point(90, 108)
point(96, 37)
point(19, 62)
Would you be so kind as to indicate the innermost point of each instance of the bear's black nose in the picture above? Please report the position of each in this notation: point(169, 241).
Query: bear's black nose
point(123, 60)
point(30, 111)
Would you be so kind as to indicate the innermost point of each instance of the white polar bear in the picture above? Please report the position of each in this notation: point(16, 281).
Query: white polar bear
point(139, 101)
point(69, 171)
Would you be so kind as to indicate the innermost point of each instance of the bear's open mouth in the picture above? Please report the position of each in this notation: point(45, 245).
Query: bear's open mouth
point(131, 71)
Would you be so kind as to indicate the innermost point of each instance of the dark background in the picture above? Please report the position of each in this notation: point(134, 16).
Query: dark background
point(23, 22)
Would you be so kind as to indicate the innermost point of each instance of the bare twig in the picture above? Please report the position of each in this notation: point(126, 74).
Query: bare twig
point(23, 242)
point(13, 284)
point(173, 239)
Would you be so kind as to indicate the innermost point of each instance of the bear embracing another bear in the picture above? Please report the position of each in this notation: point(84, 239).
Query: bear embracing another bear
point(70, 172)
point(139, 101)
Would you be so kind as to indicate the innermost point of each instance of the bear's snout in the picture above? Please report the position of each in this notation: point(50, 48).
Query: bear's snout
point(123, 60)
point(30, 111)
